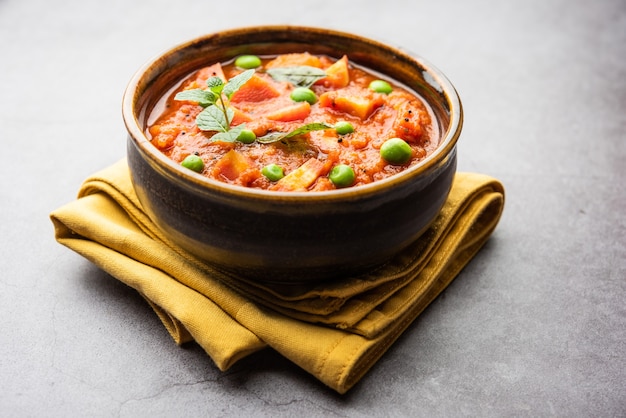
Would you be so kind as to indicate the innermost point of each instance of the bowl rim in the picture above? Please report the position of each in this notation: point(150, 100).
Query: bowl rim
point(198, 182)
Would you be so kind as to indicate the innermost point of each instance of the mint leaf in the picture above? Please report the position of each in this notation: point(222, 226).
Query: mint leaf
point(299, 76)
point(213, 118)
point(203, 97)
point(236, 82)
point(214, 81)
point(231, 135)
point(216, 85)
point(315, 126)
point(278, 136)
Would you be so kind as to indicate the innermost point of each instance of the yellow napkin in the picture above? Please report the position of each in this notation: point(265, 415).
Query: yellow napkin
point(335, 331)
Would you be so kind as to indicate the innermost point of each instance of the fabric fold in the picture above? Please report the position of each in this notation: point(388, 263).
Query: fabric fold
point(336, 331)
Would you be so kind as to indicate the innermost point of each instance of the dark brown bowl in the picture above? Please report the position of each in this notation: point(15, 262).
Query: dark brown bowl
point(290, 237)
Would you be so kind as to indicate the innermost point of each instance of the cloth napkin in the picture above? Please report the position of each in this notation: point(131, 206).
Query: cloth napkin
point(336, 331)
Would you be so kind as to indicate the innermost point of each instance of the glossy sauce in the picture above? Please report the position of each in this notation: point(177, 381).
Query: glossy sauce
point(264, 105)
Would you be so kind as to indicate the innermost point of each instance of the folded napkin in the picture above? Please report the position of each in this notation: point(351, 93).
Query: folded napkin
point(335, 331)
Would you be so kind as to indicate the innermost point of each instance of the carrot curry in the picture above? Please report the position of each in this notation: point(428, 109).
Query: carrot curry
point(293, 122)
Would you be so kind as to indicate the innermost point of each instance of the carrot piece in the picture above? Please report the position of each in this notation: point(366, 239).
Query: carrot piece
point(337, 75)
point(302, 177)
point(256, 89)
point(360, 106)
point(289, 60)
point(239, 117)
point(214, 70)
point(296, 111)
point(232, 165)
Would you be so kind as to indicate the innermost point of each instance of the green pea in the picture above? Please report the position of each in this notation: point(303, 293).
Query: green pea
point(396, 151)
point(246, 136)
point(303, 94)
point(193, 162)
point(248, 61)
point(342, 175)
point(273, 172)
point(380, 86)
point(344, 128)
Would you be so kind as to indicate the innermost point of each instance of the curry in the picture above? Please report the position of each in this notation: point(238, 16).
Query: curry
point(293, 122)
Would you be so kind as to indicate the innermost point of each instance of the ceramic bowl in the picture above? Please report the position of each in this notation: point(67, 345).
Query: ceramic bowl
point(290, 237)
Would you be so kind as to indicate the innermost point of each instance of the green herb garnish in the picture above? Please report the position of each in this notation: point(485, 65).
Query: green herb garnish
point(299, 76)
point(217, 116)
point(203, 97)
point(279, 136)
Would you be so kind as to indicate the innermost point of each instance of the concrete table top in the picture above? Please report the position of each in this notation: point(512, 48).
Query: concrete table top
point(534, 326)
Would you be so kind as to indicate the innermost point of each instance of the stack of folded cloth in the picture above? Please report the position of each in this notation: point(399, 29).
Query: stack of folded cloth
point(335, 331)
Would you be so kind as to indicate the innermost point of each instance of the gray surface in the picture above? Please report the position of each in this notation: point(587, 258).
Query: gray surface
point(534, 326)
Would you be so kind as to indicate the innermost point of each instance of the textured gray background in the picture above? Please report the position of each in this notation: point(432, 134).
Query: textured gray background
point(534, 326)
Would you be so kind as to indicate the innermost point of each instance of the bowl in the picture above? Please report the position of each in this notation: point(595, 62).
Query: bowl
point(290, 237)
